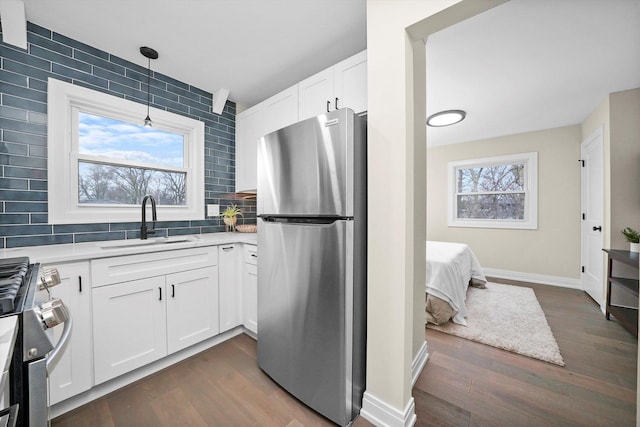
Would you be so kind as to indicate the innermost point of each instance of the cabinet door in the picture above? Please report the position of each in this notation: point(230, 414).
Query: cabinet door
point(250, 297)
point(249, 127)
point(230, 288)
point(129, 326)
point(351, 82)
point(281, 110)
point(73, 373)
point(316, 94)
point(192, 307)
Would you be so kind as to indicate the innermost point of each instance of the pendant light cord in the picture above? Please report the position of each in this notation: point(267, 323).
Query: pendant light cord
point(148, 85)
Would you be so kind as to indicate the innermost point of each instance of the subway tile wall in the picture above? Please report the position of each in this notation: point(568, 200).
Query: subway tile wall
point(23, 137)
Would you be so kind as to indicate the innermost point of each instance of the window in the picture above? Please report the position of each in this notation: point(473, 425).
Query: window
point(494, 192)
point(102, 161)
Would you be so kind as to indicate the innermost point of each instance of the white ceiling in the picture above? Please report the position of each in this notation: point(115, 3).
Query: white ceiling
point(254, 48)
point(531, 64)
point(522, 66)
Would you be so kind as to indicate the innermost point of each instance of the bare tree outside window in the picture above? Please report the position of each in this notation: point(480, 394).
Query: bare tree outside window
point(132, 161)
point(106, 184)
point(491, 192)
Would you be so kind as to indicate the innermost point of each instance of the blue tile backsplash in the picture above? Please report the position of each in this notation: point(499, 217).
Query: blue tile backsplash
point(23, 138)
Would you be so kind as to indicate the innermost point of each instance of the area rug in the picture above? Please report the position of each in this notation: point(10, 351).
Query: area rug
point(507, 317)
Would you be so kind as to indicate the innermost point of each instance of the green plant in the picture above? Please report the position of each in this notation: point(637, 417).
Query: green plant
point(632, 235)
point(231, 211)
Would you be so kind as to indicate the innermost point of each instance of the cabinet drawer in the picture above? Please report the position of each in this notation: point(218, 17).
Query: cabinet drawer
point(107, 271)
point(250, 254)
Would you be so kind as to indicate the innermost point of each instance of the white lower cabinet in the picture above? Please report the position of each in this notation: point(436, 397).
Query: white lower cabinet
point(192, 307)
point(73, 373)
point(250, 288)
point(230, 289)
point(139, 321)
point(129, 326)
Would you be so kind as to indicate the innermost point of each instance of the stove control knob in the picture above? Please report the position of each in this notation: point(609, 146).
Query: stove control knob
point(49, 277)
point(53, 313)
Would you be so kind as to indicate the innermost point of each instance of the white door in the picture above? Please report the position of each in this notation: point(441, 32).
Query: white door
point(192, 307)
point(129, 326)
point(316, 94)
point(73, 373)
point(592, 178)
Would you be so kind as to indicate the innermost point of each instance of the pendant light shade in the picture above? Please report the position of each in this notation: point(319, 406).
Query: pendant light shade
point(150, 54)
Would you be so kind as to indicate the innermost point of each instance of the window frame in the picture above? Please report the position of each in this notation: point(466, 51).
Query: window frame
point(530, 221)
point(64, 102)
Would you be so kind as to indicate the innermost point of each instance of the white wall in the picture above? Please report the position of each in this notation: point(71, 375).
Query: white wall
point(551, 250)
point(625, 164)
point(396, 204)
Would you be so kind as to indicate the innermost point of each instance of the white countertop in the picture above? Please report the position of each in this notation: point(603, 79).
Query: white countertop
point(8, 332)
point(104, 249)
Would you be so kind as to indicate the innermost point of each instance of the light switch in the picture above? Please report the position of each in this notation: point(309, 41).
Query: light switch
point(213, 210)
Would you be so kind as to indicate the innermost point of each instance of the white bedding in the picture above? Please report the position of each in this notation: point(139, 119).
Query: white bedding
point(450, 266)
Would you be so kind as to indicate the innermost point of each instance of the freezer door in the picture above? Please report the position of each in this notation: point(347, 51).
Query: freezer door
point(305, 325)
point(307, 168)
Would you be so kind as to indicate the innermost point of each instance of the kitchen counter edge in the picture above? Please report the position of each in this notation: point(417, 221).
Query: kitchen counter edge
point(49, 254)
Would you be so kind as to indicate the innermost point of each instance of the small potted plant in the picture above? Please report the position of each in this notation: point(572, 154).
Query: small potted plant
point(633, 237)
point(230, 217)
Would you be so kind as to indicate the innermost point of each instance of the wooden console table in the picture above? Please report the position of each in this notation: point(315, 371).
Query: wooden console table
point(627, 315)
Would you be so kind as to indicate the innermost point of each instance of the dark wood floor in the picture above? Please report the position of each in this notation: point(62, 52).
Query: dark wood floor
point(470, 384)
point(463, 384)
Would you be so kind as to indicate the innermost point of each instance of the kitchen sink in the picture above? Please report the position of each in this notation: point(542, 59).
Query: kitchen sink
point(158, 241)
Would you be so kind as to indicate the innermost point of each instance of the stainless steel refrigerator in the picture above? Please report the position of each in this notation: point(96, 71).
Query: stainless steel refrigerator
point(312, 268)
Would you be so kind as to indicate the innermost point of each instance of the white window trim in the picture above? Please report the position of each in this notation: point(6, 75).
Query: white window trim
point(530, 221)
point(64, 99)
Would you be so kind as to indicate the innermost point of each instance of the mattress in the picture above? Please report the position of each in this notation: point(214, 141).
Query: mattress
point(450, 268)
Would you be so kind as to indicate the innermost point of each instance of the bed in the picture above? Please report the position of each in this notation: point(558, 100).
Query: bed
point(451, 268)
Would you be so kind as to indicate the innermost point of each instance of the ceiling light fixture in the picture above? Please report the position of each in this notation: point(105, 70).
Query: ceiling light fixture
point(149, 54)
point(446, 118)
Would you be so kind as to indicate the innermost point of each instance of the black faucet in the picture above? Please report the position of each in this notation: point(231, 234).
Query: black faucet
point(143, 228)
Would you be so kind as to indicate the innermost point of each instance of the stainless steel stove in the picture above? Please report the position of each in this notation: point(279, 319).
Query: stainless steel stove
point(34, 353)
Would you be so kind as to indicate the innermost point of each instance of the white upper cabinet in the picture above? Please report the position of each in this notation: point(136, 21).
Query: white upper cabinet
point(280, 110)
point(316, 94)
point(249, 127)
point(270, 115)
point(343, 85)
point(350, 79)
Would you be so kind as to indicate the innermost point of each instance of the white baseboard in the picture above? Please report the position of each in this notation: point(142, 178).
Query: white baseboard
point(418, 363)
point(563, 282)
point(382, 414)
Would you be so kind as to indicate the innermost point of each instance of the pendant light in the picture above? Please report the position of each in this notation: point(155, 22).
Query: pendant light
point(149, 54)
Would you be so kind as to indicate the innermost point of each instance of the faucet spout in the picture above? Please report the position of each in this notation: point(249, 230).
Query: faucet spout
point(144, 232)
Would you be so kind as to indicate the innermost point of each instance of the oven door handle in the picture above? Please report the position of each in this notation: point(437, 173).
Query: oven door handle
point(54, 356)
